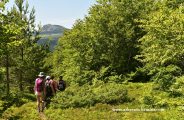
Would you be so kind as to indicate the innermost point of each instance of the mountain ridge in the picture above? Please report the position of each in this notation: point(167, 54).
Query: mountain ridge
point(50, 34)
point(52, 29)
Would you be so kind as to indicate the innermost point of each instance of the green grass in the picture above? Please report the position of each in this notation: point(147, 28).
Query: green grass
point(98, 112)
point(27, 111)
point(137, 91)
point(104, 112)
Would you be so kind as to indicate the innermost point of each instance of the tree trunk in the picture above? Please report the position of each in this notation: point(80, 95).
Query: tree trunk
point(7, 75)
point(21, 74)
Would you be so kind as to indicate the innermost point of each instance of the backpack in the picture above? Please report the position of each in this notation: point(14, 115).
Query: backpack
point(39, 84)
point(48, 88)
point(61, 85)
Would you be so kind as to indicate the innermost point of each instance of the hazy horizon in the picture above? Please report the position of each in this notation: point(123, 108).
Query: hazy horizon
point(59, 12)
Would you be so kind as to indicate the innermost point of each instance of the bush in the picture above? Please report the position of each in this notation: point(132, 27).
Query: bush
point(165, 76)
point(165, 81)
point(16, 100)
point(148, 100)
point(175, 93)
point(111, 94)
point(140, 75)
point(177, 88)
point(27, 111)
point(85, 96)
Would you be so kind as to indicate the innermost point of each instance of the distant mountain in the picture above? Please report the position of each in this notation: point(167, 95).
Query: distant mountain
point(51, 33)
point(52, 29)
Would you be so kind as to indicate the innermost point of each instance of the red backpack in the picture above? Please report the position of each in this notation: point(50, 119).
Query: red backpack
point(39, 85)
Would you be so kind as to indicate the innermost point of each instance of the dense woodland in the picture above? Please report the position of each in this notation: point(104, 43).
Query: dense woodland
point(123, 54)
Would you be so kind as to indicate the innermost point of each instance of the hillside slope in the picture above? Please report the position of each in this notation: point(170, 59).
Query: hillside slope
point(51, 33)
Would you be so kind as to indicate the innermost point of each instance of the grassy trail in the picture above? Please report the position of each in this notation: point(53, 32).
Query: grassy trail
point(138, 92)
point(43, 116)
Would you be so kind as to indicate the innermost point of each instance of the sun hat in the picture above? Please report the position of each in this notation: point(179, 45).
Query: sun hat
point(41, 74)
point(47, 77)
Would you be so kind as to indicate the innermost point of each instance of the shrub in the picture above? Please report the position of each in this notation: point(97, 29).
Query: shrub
point(16, 100)
point(85, 96)
point(111, 93)
point(140, 75)
point(148, 100)
point(177, 88)
point(25, 112)
point(165, 76)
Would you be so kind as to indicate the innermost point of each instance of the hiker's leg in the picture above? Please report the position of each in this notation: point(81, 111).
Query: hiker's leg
point(38, 103)
point(46, 101)
point(42, 103)
point(49, 101)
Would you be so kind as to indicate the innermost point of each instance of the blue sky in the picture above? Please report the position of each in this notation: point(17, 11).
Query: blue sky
point(60, 12)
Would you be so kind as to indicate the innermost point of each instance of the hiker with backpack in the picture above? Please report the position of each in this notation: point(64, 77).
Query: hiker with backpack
point(61, 84)
point(55, 84)
point(50, 90)
point(39, 89)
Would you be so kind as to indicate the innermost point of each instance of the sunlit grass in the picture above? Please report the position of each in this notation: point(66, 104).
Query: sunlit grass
point(132, 110)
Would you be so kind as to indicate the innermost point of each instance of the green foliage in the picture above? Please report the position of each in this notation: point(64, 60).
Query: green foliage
point(76, 96)
point(97, 114)
point(106, 74)
point(148, 100)
point(165, 76)
point(20, 55)
point(24, 112)
point(155, 102)
point(17, 99)
point(2, 5)
point(179, 83)
point(140, 75)
point(177, 88)
point(103, 44)
point(2, 71)
point(14, 100)
point(162, 100)
point(173, 3)
point(168, 108)
point(98, 52)
point(162, 46)
point(28, 60)
point(145, 98)
point(99, 111)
